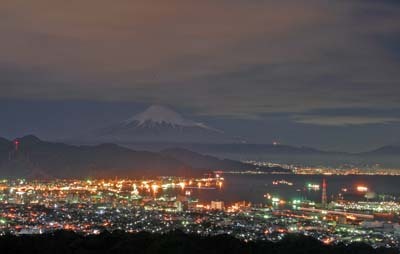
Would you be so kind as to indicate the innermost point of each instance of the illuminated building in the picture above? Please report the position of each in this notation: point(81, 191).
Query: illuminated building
point(217, 205)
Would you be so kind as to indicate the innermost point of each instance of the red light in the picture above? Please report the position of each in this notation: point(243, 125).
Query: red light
point(16, 144)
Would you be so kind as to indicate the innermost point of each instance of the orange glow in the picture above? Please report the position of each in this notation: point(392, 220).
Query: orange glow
point(351, 217)
point(155, 188)
point(327, 241)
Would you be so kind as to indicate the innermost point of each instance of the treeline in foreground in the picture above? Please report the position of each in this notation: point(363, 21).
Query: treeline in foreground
point(174, 242)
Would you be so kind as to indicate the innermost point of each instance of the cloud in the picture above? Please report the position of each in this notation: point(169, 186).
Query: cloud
point(344, 120)
point(223, 58)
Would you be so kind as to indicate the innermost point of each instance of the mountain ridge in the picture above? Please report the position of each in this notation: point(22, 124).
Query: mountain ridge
point(203, 161)
point(33, 156)
point(384, 150)
point(104, 160)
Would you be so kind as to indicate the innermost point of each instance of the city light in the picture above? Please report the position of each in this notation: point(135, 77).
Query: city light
point(166, 203)
point(361, 188)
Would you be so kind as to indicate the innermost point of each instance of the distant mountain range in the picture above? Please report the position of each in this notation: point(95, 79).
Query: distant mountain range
point(160, 141)
point(390, 150)
point(32, 157)
point(260, 148)
point(387, 156)
point(197, 160)
point(257, 149)
point(158, 128)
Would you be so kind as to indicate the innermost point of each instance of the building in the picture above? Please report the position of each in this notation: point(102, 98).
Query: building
point(217, 205)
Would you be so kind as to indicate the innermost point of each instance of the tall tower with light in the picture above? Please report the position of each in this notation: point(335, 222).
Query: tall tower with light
point(324, 199)
point(16, 145)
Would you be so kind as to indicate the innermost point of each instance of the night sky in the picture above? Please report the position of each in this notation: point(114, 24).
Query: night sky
point(318, 73)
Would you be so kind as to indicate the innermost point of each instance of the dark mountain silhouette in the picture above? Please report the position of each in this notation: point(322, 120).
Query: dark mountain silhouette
point(37, 158)
point(201, 161)
point(4, 142)
point(234, 148)
point(390, 150)
point(264, 148)
point(5, 147)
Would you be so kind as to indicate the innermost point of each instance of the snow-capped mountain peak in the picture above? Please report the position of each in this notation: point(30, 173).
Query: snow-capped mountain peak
point(158, 115)
point(159, 124)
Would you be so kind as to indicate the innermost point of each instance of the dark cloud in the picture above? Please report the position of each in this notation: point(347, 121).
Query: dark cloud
point(231, 59)
point(261, 56)
point(344, 120)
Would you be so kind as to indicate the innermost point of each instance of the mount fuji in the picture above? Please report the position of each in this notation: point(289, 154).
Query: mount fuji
point(157, 115)
point(161, 124)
